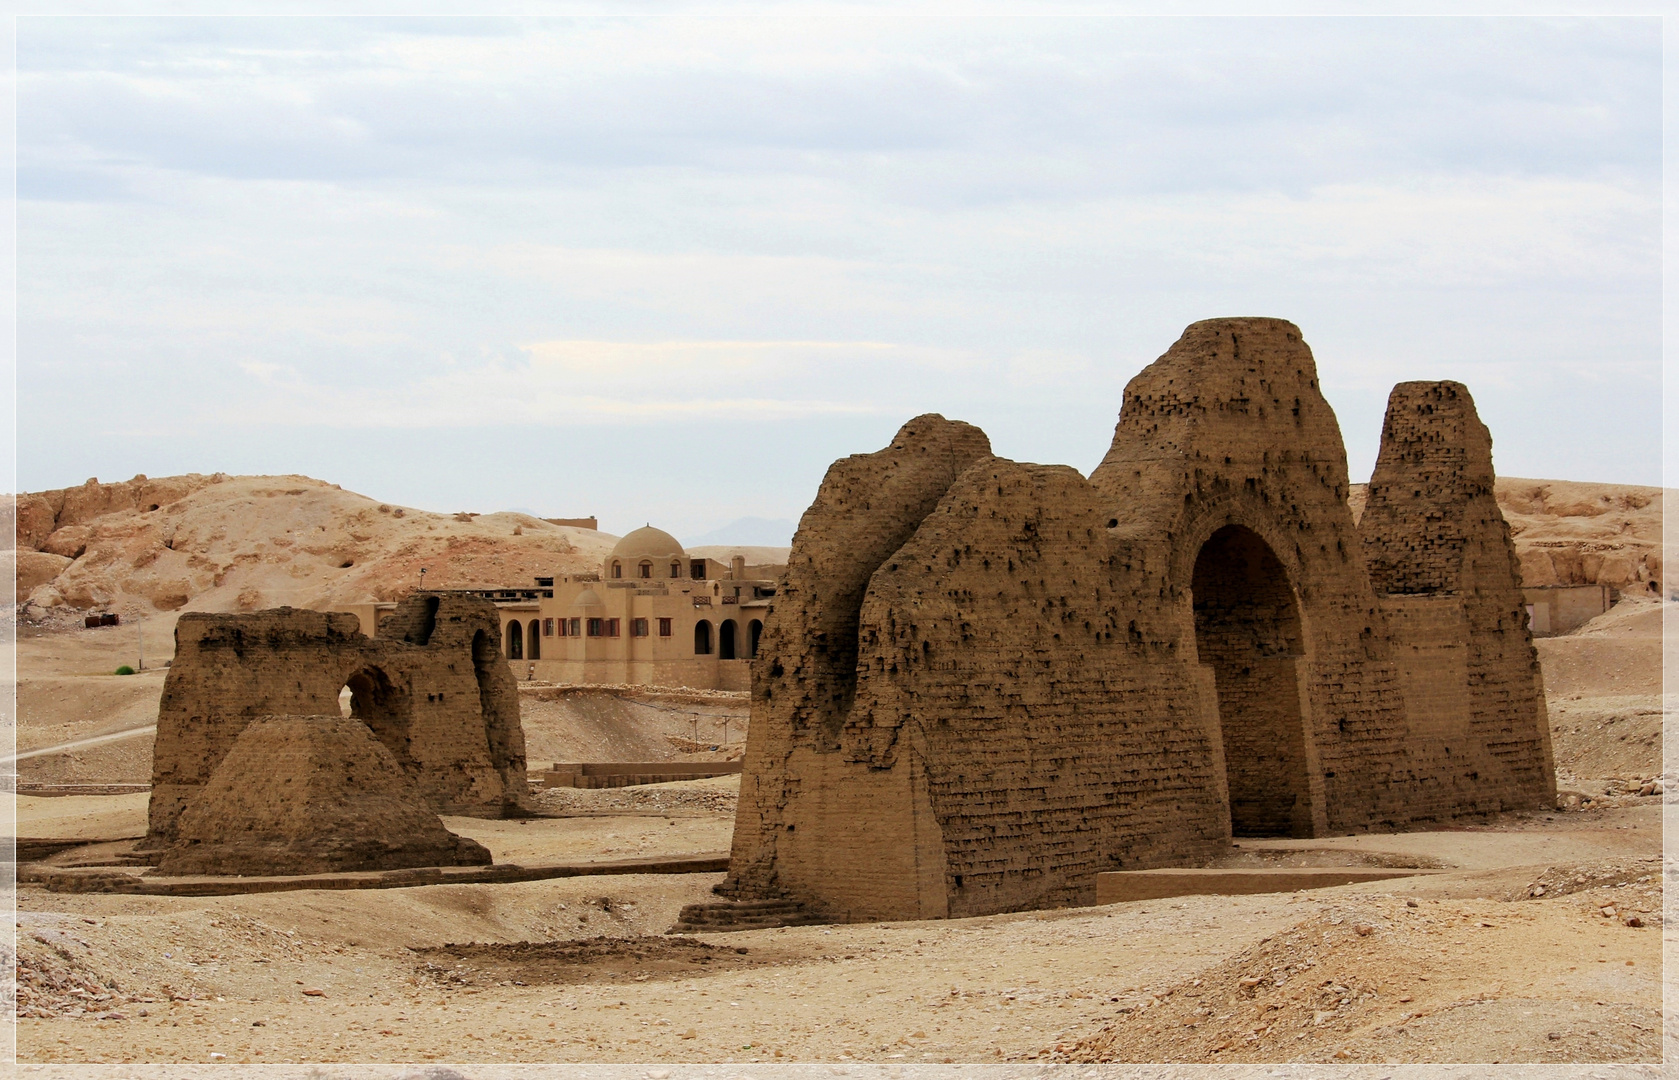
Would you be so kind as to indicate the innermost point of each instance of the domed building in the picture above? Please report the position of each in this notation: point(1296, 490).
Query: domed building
point(653, 615)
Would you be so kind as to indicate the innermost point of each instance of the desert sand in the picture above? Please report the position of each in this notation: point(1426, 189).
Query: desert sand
point(1507, 956)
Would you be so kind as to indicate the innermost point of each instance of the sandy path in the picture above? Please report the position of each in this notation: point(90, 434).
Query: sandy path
point(76, 744)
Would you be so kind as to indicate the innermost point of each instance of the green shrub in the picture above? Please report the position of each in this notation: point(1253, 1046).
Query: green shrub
point(125, 670)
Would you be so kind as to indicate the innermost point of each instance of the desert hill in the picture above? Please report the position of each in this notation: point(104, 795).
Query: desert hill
point(238, 543)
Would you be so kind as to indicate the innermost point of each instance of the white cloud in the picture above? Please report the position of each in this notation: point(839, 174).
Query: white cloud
point(492, 395)
point(397, 225)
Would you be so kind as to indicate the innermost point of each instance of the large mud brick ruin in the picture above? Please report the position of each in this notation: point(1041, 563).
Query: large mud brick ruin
point(985, 681)
point(433, 689)
point(311, 795)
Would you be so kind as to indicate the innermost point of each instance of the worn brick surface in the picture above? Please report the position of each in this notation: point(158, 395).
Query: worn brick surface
point(311, 795)
point(434, 691)
point(984, 682)
point(1440, 553)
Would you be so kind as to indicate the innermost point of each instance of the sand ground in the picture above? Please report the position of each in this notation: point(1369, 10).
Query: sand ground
point(1510, 956)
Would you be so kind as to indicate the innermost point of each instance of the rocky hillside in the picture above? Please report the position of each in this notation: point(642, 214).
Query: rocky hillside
point(237, 543)
point(1571, 533)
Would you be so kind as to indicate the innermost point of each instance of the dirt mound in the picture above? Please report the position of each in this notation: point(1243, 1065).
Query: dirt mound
point(1365, 978)
point(311, 794)
point(239, 543)
point(1571, 533)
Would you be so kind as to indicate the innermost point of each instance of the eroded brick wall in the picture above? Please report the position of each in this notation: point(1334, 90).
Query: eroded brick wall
point(806, 673)
point(1230, 430)
point(983, 682)
point(1439, 551)
point(1001, 653)
point(309, 795)
point(433, 693)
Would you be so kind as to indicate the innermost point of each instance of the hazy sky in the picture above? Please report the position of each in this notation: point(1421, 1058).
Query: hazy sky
point(668, 269)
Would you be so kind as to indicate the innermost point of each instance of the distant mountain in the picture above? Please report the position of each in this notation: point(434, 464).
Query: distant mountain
point(755, 531)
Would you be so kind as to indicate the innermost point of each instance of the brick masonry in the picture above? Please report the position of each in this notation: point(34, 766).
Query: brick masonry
point(311, 795)
point(434, 690)
point(984, 682)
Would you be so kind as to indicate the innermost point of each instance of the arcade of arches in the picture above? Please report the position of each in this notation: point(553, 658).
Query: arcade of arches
point(654, 614)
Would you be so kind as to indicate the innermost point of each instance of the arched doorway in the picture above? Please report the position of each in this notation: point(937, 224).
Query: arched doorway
point(1247, 629)
point(515, 641)
point(726, 640)
point(702, 638)
point(383, 707)
point(754, 631)
point(534, 651)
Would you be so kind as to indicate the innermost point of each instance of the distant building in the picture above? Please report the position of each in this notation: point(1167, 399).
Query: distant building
point(652, 615)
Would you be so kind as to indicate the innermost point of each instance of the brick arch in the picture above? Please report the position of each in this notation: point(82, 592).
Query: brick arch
point(383, 704)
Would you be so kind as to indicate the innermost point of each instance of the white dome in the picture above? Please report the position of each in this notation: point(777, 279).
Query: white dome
point(648, 543)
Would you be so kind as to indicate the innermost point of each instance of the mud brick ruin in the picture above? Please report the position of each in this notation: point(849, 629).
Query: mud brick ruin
point(433, 689)
point(311, 795)
point(984, 682)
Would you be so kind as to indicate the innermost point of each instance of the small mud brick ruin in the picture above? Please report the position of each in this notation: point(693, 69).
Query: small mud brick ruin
point(984, 682)
point(311, 795)
point(433, 690)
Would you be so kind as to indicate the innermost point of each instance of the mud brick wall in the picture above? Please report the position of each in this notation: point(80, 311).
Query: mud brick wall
point(1058, 736)
point(1224, 443)
point(983, 682)
point(805, 677)
point(434, 693)
point(1440, 551)
point(308, 795)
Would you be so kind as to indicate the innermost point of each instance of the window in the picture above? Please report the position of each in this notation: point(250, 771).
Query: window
point(638, 627)
point(547, 627)
point(612, 628)
point(617, 570)
point(696, 569)
point(675, 570)
point(664, 628)
point(562, 626)
point(576, 627)
point(646, 569)
point(595, 627)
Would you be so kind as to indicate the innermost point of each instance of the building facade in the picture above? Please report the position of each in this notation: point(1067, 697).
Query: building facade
point(651, 615)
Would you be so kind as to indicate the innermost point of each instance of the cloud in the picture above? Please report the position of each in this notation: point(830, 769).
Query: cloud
point(824, 223)
point(491, 395)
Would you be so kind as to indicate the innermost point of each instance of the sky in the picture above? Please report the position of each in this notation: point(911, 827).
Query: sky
point(668, 269)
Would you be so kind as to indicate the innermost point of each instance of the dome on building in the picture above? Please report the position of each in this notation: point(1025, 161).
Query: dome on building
point(648, 543)
point(588, 598)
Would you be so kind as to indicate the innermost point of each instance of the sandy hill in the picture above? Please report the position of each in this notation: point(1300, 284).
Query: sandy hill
point(238, 543)
point(1573, 533)
point(235, 543)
